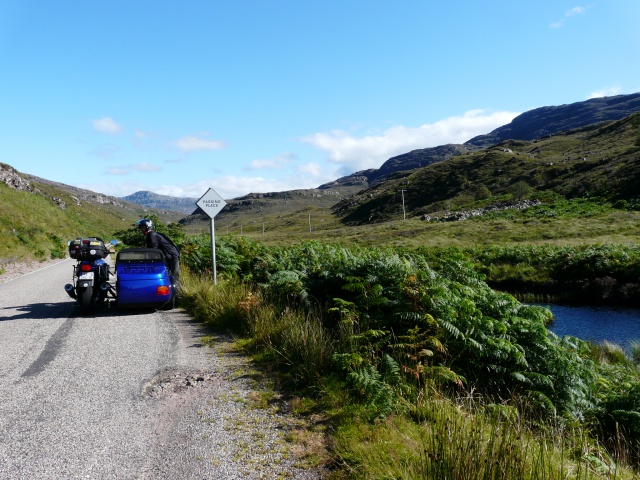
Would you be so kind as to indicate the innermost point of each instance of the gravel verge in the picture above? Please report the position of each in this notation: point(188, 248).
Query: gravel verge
point(224, 422)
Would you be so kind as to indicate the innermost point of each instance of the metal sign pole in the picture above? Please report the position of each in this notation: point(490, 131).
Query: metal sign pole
point(213, 253)
point(211, 203)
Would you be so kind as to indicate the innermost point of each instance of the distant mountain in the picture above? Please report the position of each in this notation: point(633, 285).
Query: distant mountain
point(163, 202)
point(544, 121)
point(252, 208)
point(600, 161)
point(536, 123)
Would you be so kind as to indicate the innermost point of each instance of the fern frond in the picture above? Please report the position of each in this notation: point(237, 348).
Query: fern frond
point(443, 375)
point(391, 370)
point(451, 328)
point(539, 380)
point(540, 400)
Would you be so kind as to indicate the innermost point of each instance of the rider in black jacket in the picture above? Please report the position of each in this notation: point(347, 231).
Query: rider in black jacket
point(154, 239)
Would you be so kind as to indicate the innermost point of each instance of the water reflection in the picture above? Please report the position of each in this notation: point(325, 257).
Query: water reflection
point(617, 325)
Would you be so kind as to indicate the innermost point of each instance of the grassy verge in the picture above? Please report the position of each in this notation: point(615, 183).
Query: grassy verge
point(459, 440)
point(555, 222)
point(434, 434)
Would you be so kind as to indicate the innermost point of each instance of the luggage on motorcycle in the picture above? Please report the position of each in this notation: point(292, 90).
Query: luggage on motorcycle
point(91, 248)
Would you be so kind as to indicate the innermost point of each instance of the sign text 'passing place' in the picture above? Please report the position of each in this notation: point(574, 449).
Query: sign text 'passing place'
point(211, 203)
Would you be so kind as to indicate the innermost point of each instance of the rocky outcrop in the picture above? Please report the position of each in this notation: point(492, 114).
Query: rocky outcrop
point(478, 212)
point(79, 195)
point(11, 177)
point(357, 179)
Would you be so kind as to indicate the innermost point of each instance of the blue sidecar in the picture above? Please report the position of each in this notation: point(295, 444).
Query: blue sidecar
point(143, 279)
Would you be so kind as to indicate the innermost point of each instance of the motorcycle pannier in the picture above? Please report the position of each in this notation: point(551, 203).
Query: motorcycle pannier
point(90, 248)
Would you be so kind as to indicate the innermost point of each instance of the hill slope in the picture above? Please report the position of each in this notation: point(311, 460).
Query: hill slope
point(544, 121)
point(601, 160)
point(38, 216)
point(417, 159)
point(278, 207)
point(530, 125)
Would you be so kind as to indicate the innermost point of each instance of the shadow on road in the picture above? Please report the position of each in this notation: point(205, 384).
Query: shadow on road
point(39, 311)
point(66, 310)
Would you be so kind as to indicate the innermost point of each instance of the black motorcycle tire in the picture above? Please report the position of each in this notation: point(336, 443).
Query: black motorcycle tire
point(85, 299)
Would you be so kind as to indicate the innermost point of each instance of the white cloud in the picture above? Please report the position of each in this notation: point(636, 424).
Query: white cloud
point(575, 11)
point(126, 169)
point(278, 162)
point(193, 143)
point(106, 125)
point(146, 167)
point(359, 153)
point(228, 186)
point(604, 92)
point(346, 152)
point(117, 171)
point(312, 169)
point(569, 13)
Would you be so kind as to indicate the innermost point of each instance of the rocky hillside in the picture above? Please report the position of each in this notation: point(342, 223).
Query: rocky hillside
point(599, 161)
point(530, 125)
point(38, 216)
point(536, 123)
point(80, 195)
point(544, 121)
point(417, 159)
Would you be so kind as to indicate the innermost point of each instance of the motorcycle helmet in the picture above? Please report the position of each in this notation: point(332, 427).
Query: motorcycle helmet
point(144, 224)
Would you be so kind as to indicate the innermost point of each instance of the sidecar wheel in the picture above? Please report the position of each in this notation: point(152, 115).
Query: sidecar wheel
point(171, 304)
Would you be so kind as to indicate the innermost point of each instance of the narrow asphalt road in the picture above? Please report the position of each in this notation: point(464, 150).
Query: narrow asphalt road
point(123, 394)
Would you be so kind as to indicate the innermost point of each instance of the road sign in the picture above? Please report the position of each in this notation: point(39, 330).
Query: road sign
point(211, 203)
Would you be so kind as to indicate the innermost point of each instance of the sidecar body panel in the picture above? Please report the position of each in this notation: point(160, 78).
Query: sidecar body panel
point(143, 279)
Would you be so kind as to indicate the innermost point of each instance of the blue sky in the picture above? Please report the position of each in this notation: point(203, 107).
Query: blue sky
point(247, 96)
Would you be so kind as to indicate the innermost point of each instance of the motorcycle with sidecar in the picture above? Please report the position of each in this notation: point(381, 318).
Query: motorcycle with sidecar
point(142, 279)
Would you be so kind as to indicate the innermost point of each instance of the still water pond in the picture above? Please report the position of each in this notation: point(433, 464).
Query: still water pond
point(617, 325)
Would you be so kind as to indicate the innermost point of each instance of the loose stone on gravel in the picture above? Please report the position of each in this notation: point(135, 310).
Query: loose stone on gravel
point(168, 383)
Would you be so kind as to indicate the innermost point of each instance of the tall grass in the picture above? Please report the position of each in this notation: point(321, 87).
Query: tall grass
point(430, 436)
point(295, 340)
point(457, 440)
point(216, 306)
